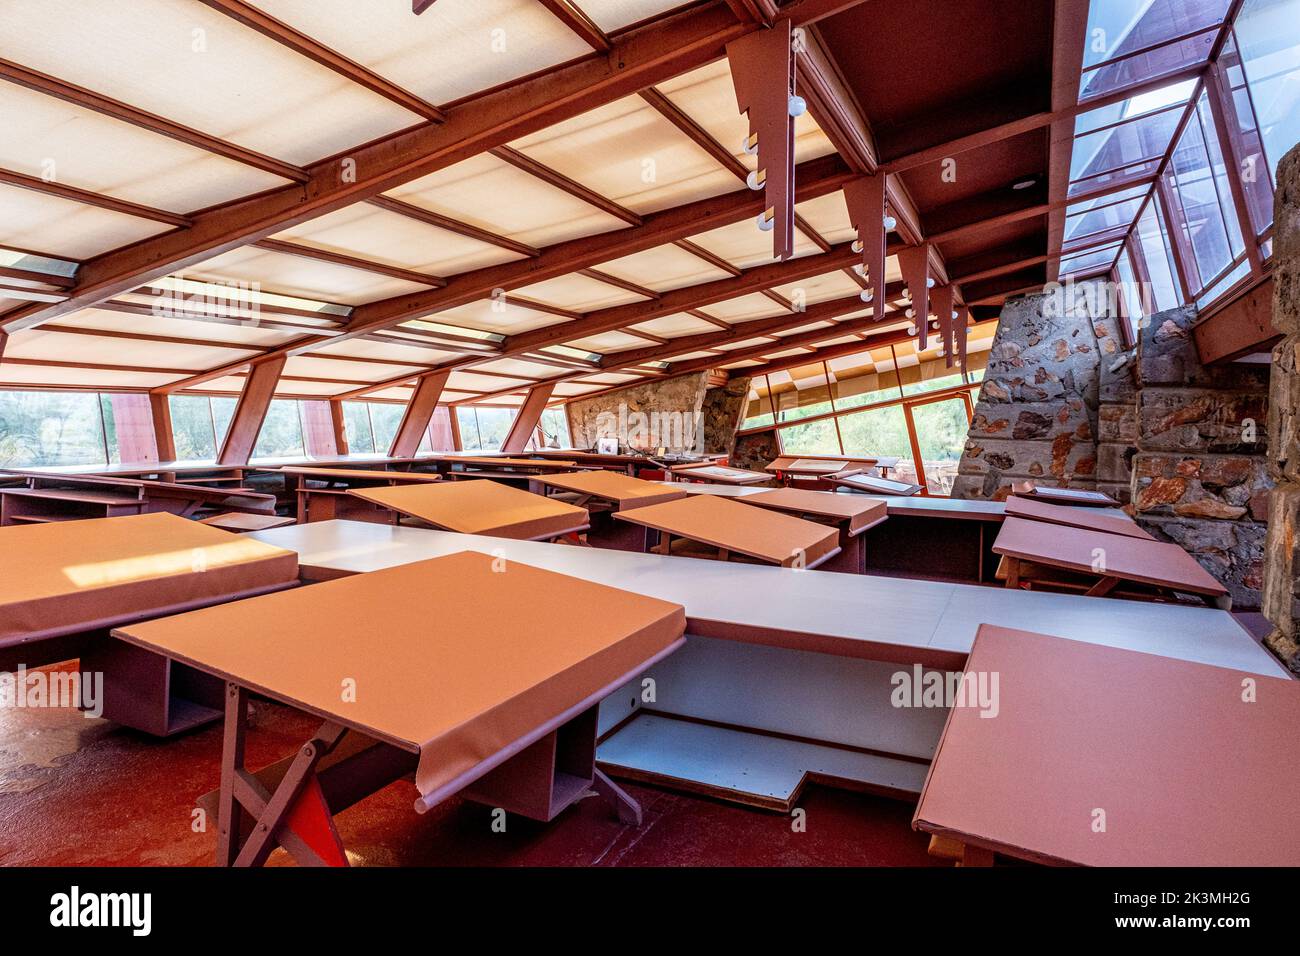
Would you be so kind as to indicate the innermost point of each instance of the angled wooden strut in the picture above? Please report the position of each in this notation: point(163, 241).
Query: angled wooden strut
point(915, 264)
point(865, 198)
point(762, 71)
point(943, 308)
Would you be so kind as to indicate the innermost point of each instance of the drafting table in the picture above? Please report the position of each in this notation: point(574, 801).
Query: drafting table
point(482, 507)
point(57, 497)
point(242, 523)
point(1104, 561)
point(850, 515)
point(62, 584)
point(720, 491)
point(1111, 521)
point(603, 494)
point(461, 677)
point(1068, 496)
point(717, 474)
point(322, 493)
point(715, 527)
point(514, 470)
point(1185, 770)
point(811, 470)
point(870, 484)
point(823, 648)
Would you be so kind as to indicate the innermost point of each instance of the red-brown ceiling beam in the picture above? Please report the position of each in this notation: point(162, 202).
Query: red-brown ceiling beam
point(36, 184)
point(250, 412)
point(1069, 32)
point(705, 317)
point(300, 43)
point(28, 294)
point(1014, 265)
point(164, 436)
point(431, 218)
point(816, 178)
point(579, 23)
point(530, 413)
point(418, 414)
point(700, 252)
point(560, 181)
point(32, 275)
point(351, 262)
point(759, 11)
point(832, 102)
point(642, 57)
point(618, 283)
point(80, 96)
point(694, 132)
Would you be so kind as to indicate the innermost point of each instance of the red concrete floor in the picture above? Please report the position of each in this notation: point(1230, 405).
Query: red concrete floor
point(76, 791)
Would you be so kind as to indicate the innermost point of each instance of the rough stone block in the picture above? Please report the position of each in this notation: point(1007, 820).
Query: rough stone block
point(1281, 590)
point(1196, 419)
point(1233, 552)
point(1218, 487)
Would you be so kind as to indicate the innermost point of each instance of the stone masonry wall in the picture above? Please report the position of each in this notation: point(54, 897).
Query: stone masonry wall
point(1282, 546)
point(1037, 414)
point(1199, 474)
point(633, 409)
point(722, 410)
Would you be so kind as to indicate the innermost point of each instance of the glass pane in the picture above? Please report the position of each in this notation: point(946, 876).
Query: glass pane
point(1256, 176)
point(50, 428)
point(1132, 192)
point(1194, 189)
point(467, 419)
point(880, 431)
point(941, 435)
point(1223, 285)
point(936, 383)
point(384, 420)
point(1146, 66)
point(1118, 177)
point(811, 438)
point(192, 427)
point(1165, 97)
point(1121, 145)
point(281, 434)
point(356, 422)
point(1227, 205)
point(223, 411)
point(1270, 49)
point(1116, 27)
point(493, 426)
point(1154, 249)
point(1095, 259)
point(1079, 225)
point(555, 428)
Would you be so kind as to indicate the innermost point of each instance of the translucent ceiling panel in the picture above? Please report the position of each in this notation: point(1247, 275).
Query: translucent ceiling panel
point(611, 15)
point(1132, 192)
point(1119, 29)
point(663, 268)
point(679, 324)
point(33, 220)
point(1087, 261)
point(1135, 106)
point(502, 315)
point(1118, 177)
point(1099, 219)
point(297, 276)
point(578, 293)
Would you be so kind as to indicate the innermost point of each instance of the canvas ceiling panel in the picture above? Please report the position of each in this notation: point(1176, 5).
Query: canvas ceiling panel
point(614, 341)
point(217, 333)
point(502, 316)
point(747, 363)
point(308, 366)
point(672, 326)
point(663, 268)
point(89, 378)
point(227, 383)
point(311, 389)
point(446, 397)
point(510, 366)
point(453, 49)
point(612, 15)
point(369, 232)
point(397, 354)
point(97, 350)
point(829, 215)
point(801, 329)
point(294, 275)
point(578, 293)
point(832, 285)
point(744, 245)
point(688, 356)
point(786, 353)
point(492, 194)
point(399, 394)
point(610, 378)
point(744, 344)
point(32, 220)
point(745, 308)
point(570, 389)
point(82, 148)
point(708, 96)
point(468, 381)
point(198, 67)
point(628, 152)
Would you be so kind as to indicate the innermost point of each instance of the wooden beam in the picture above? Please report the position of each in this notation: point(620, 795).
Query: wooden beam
point(428, 217)
point(300, 43)
point(250, 411)
point(164, 437)
point(350, 262)
point(36, 184)
point(80, 96)
point(694, 132)
point(1070, 26)
point(339, 424)
point(1241, 327)
point(579, 23)
point(418, 413)
point(530, 413)
point(560, 181)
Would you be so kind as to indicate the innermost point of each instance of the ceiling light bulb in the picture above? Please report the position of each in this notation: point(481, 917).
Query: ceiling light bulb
point(890, 224)
point(910, 313)
point(865, 295)
point(857, 245)
point(765, 223)
point(860, 269)
point(797, 106)
point(752, 181)
point(929, 283)
point(934, 326)
point(750, 146)
point(954, 314)
point(911, 330)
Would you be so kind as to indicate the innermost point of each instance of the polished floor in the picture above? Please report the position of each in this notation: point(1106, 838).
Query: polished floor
point(77, 791)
